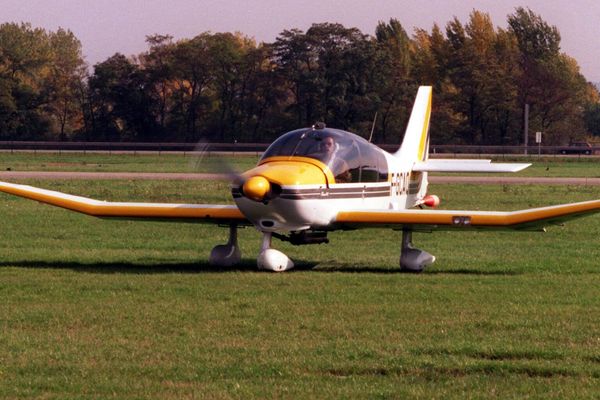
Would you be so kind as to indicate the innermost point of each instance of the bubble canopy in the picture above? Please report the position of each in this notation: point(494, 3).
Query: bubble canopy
point(350, 157)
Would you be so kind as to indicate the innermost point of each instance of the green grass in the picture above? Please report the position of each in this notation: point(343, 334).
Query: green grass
point(116, 309)
point(168, 162)
point(105, 162)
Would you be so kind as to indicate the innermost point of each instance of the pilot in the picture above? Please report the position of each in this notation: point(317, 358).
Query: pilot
point(338, 166)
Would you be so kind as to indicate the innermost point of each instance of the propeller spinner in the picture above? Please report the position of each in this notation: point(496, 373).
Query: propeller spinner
point(256, 188)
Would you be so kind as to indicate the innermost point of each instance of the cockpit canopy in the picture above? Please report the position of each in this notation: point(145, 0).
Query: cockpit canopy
point(349, 157)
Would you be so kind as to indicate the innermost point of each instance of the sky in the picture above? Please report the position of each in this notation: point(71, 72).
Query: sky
point(105, 27)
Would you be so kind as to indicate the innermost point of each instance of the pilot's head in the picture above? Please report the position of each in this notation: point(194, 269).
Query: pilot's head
point(328, 145)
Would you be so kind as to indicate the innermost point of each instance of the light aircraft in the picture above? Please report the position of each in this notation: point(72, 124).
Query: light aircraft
point(315, 180)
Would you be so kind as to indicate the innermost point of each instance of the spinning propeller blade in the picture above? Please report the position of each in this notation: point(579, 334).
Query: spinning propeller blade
point(207, 161)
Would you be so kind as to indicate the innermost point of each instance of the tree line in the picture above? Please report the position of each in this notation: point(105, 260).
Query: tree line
point(225, 87)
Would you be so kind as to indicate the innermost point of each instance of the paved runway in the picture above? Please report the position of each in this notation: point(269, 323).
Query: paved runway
point(479, 180)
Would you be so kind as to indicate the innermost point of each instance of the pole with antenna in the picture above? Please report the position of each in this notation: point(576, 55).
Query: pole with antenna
point(373, 127)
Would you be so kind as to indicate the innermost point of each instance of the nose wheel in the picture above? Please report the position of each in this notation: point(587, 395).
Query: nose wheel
point(271, 259)
point(228, 255)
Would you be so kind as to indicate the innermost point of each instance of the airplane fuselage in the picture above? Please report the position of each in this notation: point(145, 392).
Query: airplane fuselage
point(307, 192)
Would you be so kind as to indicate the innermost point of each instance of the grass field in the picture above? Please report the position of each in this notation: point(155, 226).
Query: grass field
point(168, 162)
point(104, 162)
point(117, 309)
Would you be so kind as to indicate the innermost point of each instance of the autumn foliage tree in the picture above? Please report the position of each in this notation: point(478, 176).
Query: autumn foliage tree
point(226, 87)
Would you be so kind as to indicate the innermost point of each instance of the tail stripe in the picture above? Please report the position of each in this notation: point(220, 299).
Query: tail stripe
point(416, 138)
point(423, 146)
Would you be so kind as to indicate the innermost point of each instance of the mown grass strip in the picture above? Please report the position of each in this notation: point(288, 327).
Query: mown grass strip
point(118, 309)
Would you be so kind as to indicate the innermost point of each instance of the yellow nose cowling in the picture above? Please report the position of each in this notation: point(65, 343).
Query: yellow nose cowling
point(256, 188)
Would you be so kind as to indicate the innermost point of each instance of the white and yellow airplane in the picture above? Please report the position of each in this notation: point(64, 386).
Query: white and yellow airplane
point(315, 180)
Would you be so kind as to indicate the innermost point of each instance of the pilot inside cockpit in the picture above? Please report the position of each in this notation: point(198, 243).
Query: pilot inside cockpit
point(349, 157)
point(327, 152)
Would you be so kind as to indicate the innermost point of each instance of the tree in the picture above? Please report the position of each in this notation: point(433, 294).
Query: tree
point(297, 64)
point(229, 56)
point(67, 73)
point(344, 74)
point(224, 86)
point(592, 119)
point(480, 70)
point(393, 78)
point(560, 101)
point(536, 39)
point(24, 58)
point(432, 65)
point(158, 65)
point(330, 72)
point(548, 81)
point(191, 85)
point(120, 102)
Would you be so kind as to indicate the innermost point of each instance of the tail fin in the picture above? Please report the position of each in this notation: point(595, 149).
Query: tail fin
point(415, 146)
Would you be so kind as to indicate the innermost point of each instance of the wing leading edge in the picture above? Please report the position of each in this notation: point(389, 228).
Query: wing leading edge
point(529, 219)
point(126, 210)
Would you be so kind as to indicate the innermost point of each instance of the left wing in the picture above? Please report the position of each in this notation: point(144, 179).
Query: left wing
point(148, 211)
point(417, 219)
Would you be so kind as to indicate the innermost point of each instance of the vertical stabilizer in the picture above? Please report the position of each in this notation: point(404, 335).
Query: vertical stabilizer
point(415, 146)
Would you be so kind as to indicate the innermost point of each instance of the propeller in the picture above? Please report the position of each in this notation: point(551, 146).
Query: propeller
point(256, 188)
point(216, 165)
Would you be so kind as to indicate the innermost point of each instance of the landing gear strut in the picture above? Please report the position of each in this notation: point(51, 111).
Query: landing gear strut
point(271, 259)
point(226, 255)
point(412, 259)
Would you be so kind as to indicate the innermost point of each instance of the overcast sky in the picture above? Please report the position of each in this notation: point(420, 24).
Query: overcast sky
point(105, 27)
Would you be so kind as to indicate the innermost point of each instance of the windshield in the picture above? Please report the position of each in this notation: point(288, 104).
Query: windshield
point(349, 157)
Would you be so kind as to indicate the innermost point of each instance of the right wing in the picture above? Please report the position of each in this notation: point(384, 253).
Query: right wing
point(121, 210)
point(418, 219)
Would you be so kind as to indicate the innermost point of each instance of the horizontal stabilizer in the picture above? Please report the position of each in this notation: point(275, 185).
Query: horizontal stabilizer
point(445, 165)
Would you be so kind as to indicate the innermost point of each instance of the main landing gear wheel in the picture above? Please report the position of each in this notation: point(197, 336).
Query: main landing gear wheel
point(412, 259)
point(271, 259)
point(226, 255)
